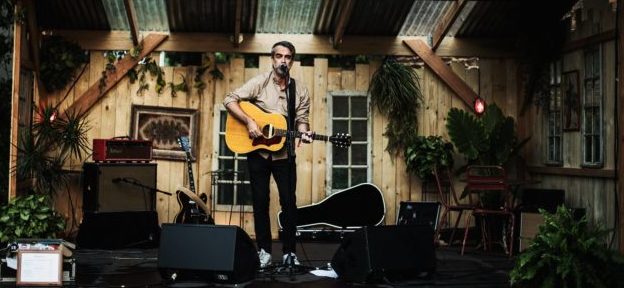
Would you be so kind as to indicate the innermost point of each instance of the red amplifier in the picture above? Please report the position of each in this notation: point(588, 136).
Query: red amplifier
point(121, 150)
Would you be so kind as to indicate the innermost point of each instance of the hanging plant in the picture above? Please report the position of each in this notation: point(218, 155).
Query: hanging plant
point(59, 59)
point(395, 91)
point(180, 87)
point(147, 65)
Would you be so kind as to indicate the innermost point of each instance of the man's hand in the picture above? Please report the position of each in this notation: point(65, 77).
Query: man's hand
point(306, 137)
point(254, 130)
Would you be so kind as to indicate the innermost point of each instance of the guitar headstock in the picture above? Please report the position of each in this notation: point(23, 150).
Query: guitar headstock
point(341, 140)
point(184, 143)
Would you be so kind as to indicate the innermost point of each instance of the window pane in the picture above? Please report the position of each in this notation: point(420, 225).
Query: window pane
point(222, 118)
point(341, 126)
point(359, 107)
point(340, 156)
point(242, 167)
point(340, 178)
point(225, 193)
point(588, 149)
point(358, 175)
point(223, 149)
point(340, 106)
point(226, 164)
point(359, 130)
point(358, 154)
point(243, 194)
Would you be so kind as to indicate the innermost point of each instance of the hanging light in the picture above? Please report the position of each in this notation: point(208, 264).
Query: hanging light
point(479, 105)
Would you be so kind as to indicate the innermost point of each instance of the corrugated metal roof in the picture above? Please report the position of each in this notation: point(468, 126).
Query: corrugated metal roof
point(151, 15)
point(287, 17)
point(71, 14)
point(378, 17)
point(424, 17)
point(116, 14)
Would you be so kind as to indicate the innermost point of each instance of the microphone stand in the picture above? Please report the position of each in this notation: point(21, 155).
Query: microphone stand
point(139, 184)
point(290, 146)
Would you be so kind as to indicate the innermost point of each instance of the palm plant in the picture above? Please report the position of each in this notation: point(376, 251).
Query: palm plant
point(395, 91)
point(51, 142)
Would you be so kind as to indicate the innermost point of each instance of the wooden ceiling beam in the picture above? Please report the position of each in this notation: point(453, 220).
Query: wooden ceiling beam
point(237, 24)
point(132, 21)
point(94, 92)
point(446, 22)
point(343, 19)
point(437, 65)
point(306, 44)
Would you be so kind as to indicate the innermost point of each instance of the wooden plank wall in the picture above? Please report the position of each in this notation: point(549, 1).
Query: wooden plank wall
point(111, 117)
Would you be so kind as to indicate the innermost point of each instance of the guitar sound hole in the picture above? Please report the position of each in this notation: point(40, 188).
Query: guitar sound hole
point(268, 131)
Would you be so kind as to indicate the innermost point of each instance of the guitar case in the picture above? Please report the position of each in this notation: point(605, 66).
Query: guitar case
point(355, 207)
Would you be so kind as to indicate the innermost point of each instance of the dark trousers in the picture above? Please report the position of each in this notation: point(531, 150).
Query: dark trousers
point(285, 175)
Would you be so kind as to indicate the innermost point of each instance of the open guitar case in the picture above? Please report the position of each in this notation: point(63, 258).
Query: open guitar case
point(339, 213)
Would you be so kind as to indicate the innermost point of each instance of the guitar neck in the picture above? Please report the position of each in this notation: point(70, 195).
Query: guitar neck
point(190, 172)
point(297, 134)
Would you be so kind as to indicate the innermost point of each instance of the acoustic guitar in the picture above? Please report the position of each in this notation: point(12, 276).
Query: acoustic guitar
point(274, 130)
point(190, 203)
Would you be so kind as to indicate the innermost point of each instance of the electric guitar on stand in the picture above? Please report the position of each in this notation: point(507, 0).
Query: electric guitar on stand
point(274, 130)
point(193, 208)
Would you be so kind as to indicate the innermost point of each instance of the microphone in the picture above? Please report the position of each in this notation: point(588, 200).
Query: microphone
point(283, 68)
point(117, 180)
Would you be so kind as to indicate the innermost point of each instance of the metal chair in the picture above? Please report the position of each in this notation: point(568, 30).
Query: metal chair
point(486, 180)
point(449, 199)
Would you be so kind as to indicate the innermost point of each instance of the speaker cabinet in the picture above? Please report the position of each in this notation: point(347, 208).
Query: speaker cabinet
point(221, 254)
point(117, 230)
point(421, 213)
point(392, 252)
point(119, 187)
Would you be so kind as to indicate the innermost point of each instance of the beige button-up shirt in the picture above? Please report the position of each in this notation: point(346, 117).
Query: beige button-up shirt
point(264, 92)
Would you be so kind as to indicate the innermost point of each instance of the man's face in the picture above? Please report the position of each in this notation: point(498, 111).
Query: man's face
point(281, 56)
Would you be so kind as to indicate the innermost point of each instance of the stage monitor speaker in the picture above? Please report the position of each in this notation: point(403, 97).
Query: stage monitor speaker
point(118, 230)
point(420, 213)
point(220, 254)
point(119, 187)
point(386, 252)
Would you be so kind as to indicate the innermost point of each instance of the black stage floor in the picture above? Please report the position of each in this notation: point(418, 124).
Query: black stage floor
point(138, 268)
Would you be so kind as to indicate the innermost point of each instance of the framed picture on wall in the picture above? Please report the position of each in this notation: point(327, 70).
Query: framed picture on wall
point(571, 101)
point(163, 125)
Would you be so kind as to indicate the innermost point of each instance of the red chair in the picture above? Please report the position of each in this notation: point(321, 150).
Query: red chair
point(449, 200)
point(490, 180)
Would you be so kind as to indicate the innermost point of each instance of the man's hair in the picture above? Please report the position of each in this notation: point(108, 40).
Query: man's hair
point(286, 44)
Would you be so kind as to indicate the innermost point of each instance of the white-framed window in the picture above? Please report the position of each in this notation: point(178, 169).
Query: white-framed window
point(554, 149)
point(592, 126)
point(349, 113)
point(230, 180)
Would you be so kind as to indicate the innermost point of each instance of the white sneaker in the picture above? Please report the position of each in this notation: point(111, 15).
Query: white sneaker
point(292, 256)
point(265, 258)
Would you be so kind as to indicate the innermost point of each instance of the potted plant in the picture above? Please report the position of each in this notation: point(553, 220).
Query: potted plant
point(568, 253)
point(29, 216)
point(53, 140)
point(487, 140)
point(423, 154)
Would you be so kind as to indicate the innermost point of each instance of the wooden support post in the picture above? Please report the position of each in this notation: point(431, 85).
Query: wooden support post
point(445, 73)
point(95, 92)
point(620, 119)
point(15, 92)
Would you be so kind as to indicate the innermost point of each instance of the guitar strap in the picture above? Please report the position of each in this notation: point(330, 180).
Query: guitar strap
point(292, 114)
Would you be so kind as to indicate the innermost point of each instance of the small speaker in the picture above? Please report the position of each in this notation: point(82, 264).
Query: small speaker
point(220, 254)
point(117, 230)
point(391, 252)
point(118, 187)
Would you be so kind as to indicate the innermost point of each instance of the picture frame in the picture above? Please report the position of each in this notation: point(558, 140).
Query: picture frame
point(571, 101)
point(163, 126)
point(39, 268)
